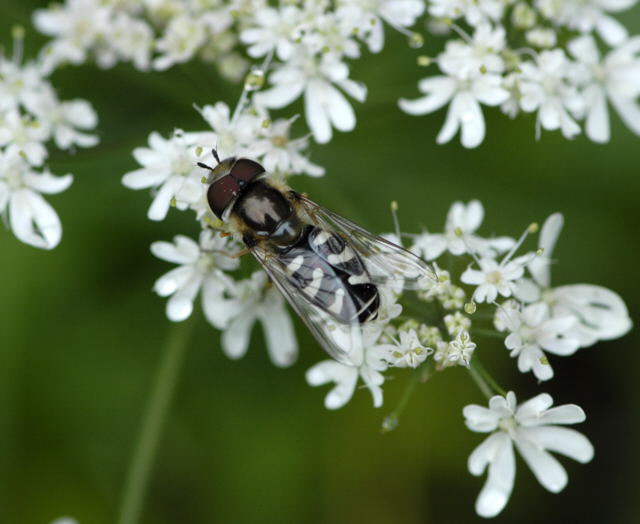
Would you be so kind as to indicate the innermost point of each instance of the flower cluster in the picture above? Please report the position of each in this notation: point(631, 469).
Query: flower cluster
point(533, 317)
point(31, 116)
point(541, 57)
point(309, 43)
point(510, 56)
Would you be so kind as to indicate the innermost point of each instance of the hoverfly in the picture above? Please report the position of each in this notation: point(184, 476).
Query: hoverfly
point(328, 268)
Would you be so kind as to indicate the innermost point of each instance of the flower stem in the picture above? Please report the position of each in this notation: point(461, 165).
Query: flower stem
point(153, 421)
point(479, 380)
point(420, 374)
point(484, 380)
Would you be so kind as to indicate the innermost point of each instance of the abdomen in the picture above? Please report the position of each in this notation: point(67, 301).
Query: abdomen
point(331, 275)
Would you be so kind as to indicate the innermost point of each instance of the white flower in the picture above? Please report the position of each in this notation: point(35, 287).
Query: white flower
point(616, 78)
point(327, 32)
point(132, 40)
point(457, 322)
point(495, 278)
point(456, 352)
point(276, 30)
point(231, 137)
point(475, 12)
point(76, 26)
point(280, 154)
point(170, 166)
point(324, 104)
point(533, 428)
point(63, 119)
point(346, 377)
point(182, 38)
point(31, 218)
point(464, 96)
point(599, 313)
point(365, 17)
point(587, 15)
point(23, 135)
point(202, 266)
point(459, 237)
point(542, 37)
point(406, 352)
point(544, 88)
point(252, 300)
point(480, 56)
point(532, 330)
point(18, 83)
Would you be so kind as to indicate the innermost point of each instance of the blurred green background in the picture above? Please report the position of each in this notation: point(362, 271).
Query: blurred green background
point(81, 331)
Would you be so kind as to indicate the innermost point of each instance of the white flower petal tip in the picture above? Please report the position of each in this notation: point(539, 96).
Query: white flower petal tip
point(345, 379)
point(65, 520)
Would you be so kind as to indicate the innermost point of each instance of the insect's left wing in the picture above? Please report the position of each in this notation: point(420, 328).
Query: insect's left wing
point(388, 264)
point(341, 340)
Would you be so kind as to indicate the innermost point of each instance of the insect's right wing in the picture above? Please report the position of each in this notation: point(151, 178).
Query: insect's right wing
point(342, 341)
point(388, 264)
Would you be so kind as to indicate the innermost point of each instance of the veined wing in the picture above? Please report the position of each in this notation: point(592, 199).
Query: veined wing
point(388, 264)
point(342, 339)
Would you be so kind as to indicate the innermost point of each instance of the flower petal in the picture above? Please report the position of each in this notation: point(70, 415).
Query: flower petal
point(601, 313)
point(565, 414)
point(502, 471)
point(33, 220)
point(235, 339)
point(345, 378)
point(438, 90)
point(546, 469)
point(184, 250)
point(565, 441)
point(278, 330)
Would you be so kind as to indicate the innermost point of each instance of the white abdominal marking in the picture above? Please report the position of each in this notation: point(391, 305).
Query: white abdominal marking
point(314, 286)
point(336, 307)
point(295, 264)
point(340, 258)
point(362, 278)
point(321, 238)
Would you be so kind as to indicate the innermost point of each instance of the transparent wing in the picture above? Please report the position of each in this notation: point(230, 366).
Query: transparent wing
point(343, 341)
point(388, 264)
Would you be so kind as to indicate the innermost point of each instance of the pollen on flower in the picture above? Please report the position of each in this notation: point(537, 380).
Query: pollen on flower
point(279, 141)
point(494, 277)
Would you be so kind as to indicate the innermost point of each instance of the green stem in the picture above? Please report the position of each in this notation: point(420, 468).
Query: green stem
point(158, 404)
point(484, 380)
point(421, 374)
point(480, 382)
point(489, 379)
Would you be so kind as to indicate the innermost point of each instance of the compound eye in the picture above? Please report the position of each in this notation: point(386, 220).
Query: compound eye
point(222, 193)
point(246, 170)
